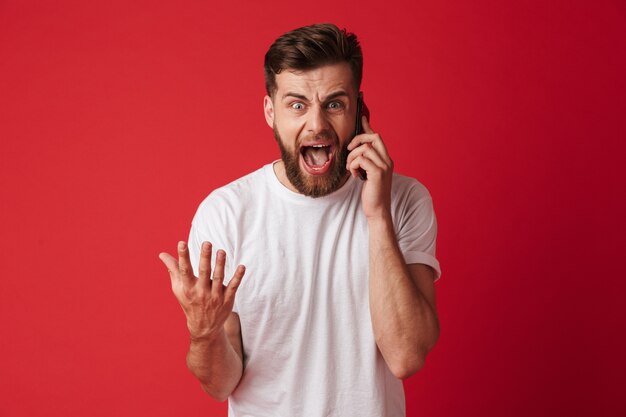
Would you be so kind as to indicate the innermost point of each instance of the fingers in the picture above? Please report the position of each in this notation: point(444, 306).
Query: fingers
point(184, 264)
point(180, 270)
point(204, 269)
point(365, 163)
point(374, 140)
point(217, 285)
point(368, 151)
point(234, 283)
point(368, 146)
point(218, 273)
point(366, 142)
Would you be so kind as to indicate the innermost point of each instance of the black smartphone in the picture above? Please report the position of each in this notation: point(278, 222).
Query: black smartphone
point(361, 110)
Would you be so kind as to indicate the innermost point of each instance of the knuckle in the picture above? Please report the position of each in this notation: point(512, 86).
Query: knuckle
point(219, 271)
point(234, 284)
point(216, 300)
point(188, 293)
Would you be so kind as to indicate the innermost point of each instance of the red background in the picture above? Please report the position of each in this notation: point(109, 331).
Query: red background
point(117, 118)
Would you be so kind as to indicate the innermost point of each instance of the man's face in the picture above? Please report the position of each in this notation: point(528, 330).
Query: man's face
point(313, 114)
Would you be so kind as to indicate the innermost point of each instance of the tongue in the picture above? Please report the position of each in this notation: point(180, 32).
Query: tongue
point(315, 156)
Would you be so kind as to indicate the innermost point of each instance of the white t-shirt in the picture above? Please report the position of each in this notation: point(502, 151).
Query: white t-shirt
point(309, 349)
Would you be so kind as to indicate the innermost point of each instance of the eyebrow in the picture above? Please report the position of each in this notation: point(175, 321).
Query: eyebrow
point(332, 96)
point(298, 96)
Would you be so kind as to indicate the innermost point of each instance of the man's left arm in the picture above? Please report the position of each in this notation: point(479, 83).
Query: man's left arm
point(402, 303)
point(402, 297)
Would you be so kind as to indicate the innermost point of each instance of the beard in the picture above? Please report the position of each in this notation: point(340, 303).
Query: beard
point(311, 185)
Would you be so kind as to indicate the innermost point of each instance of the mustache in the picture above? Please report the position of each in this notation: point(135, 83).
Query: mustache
point(324, 135)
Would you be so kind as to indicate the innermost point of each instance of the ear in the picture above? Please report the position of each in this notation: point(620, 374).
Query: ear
point(268, 110)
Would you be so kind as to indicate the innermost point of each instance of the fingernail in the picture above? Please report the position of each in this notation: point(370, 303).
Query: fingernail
point(206, 246)
point(182, 246)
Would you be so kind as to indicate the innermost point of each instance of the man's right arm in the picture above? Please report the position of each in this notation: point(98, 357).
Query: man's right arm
point(215, 353)
point(218, 363)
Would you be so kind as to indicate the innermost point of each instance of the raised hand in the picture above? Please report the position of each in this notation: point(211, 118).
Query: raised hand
point(367, 151)
point(207, 302)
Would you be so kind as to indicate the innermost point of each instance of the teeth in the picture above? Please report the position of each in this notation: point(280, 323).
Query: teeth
point(319, 146)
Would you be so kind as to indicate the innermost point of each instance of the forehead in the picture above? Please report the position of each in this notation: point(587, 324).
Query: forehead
point(318, 81)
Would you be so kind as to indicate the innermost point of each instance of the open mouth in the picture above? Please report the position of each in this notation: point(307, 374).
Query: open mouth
point(316, 158)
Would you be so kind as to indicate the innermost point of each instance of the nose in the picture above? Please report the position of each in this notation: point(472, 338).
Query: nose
point(317, 121)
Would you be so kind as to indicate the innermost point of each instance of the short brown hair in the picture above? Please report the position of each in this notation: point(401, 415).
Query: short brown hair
point(311, 47)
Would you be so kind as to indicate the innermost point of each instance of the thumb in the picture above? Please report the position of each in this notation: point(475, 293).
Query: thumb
point(170, 262)
point(366, 125)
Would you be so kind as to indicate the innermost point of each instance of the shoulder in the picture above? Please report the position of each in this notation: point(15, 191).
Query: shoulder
point(238, 190)
point(232, 197)
point(405, 188)
point(411, 204)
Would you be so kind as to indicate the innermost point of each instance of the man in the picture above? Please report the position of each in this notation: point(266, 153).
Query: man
point(338, 302)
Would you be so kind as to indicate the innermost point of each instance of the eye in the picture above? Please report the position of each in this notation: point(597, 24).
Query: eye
point(335, 105)
point(297, 106)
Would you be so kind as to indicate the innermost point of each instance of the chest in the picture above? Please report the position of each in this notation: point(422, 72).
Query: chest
point(304, 268)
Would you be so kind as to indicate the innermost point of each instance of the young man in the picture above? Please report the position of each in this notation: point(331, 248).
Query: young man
point(338, 302)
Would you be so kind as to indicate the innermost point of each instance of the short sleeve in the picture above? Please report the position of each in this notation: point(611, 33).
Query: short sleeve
point(416, 226)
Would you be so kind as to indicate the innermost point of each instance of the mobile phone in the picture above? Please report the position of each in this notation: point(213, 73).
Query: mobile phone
point(361, 110)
